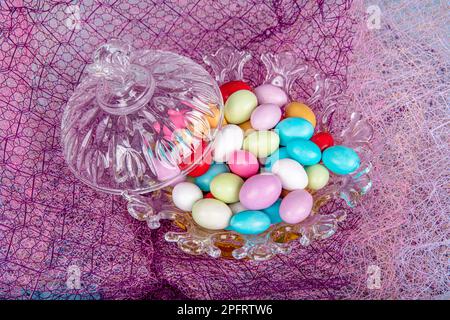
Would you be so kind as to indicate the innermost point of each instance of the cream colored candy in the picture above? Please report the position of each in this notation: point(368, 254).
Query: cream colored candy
point(261, 143)
point(291, 174)
point(318, 176)
point(239, 106)
point(211, 214)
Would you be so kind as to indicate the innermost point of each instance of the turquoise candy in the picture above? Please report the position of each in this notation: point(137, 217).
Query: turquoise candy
point(274, 212)
point(249, 222)
point(274, 157)
point(340, 159)
point(205, 179)
point(303, 151)
point(294, 128)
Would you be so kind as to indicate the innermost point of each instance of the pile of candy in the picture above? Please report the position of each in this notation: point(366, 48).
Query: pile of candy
point(264, 160)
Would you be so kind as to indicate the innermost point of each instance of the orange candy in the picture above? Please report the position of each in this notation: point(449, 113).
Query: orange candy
point(214, 120)
point(300, 110)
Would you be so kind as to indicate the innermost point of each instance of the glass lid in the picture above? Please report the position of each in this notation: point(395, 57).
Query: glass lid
point(138, 120)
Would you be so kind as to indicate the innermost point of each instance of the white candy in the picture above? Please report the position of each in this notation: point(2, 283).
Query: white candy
point(291, 173)
point(229, 139)
point(185, 194)
point(211, 214)
point(237, 207)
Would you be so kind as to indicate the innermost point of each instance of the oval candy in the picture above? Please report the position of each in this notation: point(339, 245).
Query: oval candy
point(300, 110)
point(340, 160)
point(268, 93)
point(323, 140)
point(260, 191)
point(249, 222)
point(204, 181)
point(291, 174)
point(239, 106)
point(243, 163)
point(227, 89)
point(213, 120)
point(318, 176)
point(296, 206)
point(265, 117)
point(294, 128)
point(261, 143)
point(211, 214)
point(185, 194)
point(229, 139)
point(305, 152)
point(226, 186)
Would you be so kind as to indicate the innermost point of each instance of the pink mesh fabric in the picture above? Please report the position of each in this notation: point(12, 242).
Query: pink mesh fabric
point(51, 225)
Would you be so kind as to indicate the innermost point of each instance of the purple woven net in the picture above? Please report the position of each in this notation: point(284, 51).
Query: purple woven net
point(53, 228)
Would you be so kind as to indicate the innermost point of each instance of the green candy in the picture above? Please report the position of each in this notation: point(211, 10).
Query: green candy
point(262, 143)
point(318, 176)
point(239, 106)
point(226, 186)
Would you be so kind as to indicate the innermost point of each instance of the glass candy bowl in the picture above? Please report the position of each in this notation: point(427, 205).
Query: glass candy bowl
point(138, 115)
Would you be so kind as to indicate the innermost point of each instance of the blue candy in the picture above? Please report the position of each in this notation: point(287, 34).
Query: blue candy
point(294, 128)
point(274, 212)
point(277, 155)
point(249, 222)
point(303, 151)
point(340, 159)
point(205, 179)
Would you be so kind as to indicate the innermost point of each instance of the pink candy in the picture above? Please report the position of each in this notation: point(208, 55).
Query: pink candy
point(296, 206)
point(243, 163)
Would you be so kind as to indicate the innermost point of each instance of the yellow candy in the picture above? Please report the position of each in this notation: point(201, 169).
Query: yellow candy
point(226, 187)
point(318, 176)
point(214, 120)
point(239, 106)
point(300, 110)
point(262, 143)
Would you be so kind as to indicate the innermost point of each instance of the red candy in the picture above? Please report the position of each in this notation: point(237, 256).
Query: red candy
point(323, 140)
point(208, 196)
point(202, 166)
point(227, 89)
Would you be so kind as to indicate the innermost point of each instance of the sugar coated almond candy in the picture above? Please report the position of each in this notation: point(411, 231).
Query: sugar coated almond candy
point(296, 206)
point(211, 214)
point(291, 174)
point(250, 222)
point(260, 191)
point(239, 106)
point(185, 194)
point(318, 176)
point(265, 116)
point(294, 128)
point(304, 151)
point(229, 139)
point(226, 187)
point(228, 88)
point(268, 93)
point(323, 140)
point(341, 160)
point(300, 110)
point(261, 143)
